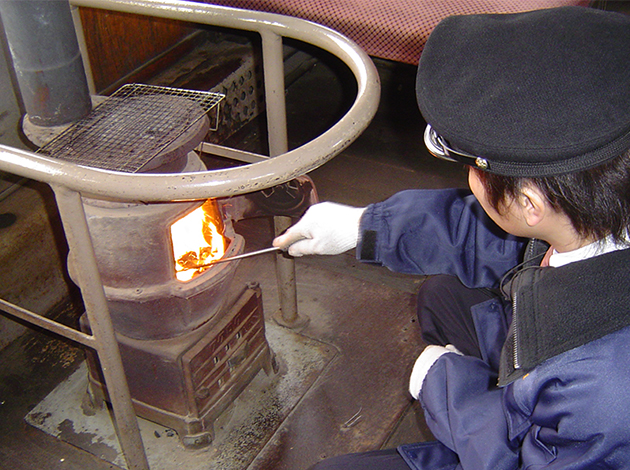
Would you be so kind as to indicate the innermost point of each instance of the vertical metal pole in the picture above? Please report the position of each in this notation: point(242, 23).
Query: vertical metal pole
point(89, 280)
point(273, 68)
point(287, 289)
point(78, 27)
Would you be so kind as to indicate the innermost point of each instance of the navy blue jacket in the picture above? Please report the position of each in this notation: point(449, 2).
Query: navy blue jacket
point(570, 409)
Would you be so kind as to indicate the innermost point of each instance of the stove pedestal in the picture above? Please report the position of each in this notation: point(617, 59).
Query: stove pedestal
point(186, 382)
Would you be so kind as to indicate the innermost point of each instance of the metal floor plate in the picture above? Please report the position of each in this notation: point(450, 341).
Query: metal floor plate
point(240, 432)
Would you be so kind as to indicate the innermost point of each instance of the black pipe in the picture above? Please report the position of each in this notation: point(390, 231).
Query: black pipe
point(47, 60)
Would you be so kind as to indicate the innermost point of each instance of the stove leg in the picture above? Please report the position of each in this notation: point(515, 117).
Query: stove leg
point(285, 273)
point(270, 364)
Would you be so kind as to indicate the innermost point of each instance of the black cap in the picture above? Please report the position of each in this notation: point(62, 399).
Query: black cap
point(532, 94)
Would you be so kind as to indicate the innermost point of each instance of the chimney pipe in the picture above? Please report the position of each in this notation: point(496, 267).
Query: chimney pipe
point(47, 60)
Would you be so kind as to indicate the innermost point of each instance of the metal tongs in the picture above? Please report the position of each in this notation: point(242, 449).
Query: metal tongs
point(234, 258)
point(244, 255)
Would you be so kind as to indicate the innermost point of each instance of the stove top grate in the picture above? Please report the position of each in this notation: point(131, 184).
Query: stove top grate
point(132, 126)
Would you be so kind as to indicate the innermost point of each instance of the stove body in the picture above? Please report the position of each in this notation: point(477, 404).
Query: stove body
point(187, 381)
point(188, 347)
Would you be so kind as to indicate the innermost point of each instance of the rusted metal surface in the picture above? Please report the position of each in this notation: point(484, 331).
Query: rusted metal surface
point(359, 399)
point(187, 352)
point(186, 382)
point(145, 299)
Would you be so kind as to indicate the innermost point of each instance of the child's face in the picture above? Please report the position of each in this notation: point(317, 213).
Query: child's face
point(510, 219)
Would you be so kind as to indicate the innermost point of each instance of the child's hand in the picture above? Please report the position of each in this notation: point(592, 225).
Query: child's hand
point(424, 362)
point(325, 229)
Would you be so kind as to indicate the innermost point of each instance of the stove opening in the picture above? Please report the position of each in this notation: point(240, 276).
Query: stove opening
point(197, 238)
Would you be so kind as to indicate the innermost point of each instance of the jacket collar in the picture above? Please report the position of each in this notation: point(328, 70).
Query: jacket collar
point(558, 309)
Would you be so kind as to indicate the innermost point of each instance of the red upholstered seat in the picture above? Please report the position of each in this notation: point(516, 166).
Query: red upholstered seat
point(389, 29)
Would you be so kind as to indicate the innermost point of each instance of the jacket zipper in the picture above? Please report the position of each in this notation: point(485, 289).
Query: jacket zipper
point(515, 346)
point(515, 343)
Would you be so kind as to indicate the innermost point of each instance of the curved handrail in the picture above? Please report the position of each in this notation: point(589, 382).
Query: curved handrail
point(222, 182)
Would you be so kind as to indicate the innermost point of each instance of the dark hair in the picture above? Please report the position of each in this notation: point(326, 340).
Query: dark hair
point(596, 201)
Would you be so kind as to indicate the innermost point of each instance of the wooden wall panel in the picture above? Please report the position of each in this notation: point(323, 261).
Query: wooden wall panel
point(119, 44)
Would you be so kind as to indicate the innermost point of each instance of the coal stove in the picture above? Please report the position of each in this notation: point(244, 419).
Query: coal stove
point(191, 339)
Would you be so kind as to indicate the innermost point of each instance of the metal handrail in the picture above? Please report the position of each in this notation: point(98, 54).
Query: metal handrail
point(70, 182)
point(231, 181)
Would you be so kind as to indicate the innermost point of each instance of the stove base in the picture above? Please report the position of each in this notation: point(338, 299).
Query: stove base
point(241, 432)
point(186, 382)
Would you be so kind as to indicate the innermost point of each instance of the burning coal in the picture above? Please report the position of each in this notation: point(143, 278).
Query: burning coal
point(197, 238)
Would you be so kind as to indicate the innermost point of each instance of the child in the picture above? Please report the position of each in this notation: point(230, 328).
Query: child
point(528, 320)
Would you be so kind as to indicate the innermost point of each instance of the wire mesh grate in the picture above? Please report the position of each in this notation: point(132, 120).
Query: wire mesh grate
point(132, 126)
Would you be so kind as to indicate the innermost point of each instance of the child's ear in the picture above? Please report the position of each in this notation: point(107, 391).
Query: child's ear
point(533, 205)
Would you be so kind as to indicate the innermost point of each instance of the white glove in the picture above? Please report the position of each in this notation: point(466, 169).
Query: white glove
point(424, 362)
point(327, 228)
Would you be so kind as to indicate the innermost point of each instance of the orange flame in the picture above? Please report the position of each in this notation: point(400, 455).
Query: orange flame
point(197, 239)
